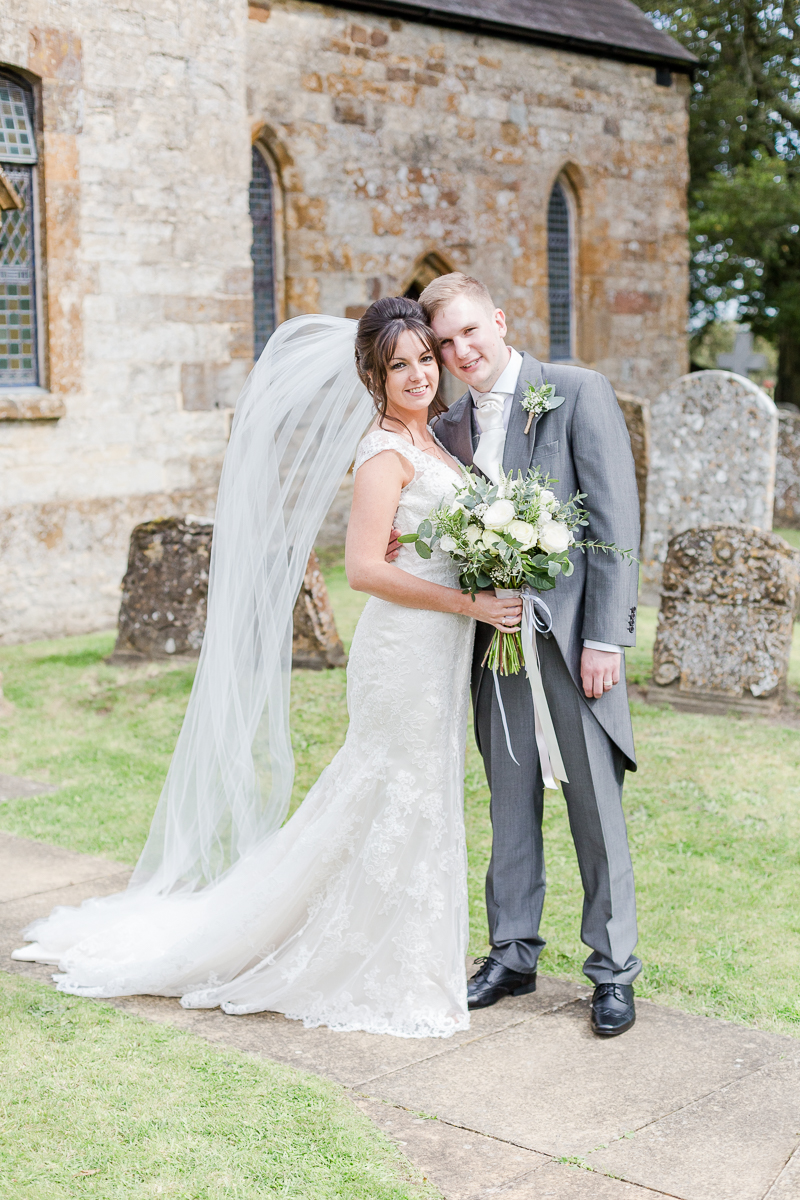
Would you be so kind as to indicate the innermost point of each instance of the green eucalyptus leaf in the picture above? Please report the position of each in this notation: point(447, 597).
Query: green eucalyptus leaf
point(425, 529)
point(408, 537)
point(423, 549)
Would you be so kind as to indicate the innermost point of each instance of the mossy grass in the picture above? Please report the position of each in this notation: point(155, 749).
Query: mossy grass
point(98, 1103)
point(713, 812)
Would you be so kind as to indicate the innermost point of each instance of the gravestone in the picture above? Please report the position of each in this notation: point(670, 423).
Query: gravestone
point(165, 590)
point(165, 597)
point(316, 643)
point(728, 602)
point(636, 412)
point(743, 359)
point(787, 471)
point(713, 440)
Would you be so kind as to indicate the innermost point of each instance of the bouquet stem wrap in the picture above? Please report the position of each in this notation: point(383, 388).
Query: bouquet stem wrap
point(536, 616)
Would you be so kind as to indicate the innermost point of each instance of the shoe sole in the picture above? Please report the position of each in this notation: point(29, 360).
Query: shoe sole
point(524, 990)
point(608, 1033)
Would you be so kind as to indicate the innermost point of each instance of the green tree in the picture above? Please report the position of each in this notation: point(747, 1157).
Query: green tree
point(744, 150)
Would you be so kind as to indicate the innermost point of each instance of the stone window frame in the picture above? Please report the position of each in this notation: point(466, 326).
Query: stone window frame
point(568, 177)
point(277, 160)
point(27, 401)
point(429, 266)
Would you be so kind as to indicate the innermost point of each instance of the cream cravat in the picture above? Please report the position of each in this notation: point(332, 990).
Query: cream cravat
point(488, 456)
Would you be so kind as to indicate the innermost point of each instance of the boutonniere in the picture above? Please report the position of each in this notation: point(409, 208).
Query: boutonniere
point(538, 400)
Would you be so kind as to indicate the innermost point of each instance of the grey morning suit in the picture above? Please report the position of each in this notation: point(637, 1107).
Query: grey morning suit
point(583, 444)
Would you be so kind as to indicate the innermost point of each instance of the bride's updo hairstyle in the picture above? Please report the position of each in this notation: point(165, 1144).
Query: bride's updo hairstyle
point(376, 341)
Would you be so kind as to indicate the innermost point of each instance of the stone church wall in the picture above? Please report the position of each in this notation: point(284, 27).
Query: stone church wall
point(391, 140)
point(144, 166)
point(398, 139)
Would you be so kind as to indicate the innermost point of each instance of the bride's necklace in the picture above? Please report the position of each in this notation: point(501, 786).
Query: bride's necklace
point(433, 449)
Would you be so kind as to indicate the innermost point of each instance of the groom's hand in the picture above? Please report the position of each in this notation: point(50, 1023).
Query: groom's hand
point(599, 671)
point(393, 549)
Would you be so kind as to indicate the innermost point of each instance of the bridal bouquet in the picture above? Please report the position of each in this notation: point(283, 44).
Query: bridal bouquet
point(507, 535)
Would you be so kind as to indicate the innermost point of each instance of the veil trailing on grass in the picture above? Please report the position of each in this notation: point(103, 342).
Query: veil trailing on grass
point(297, 424)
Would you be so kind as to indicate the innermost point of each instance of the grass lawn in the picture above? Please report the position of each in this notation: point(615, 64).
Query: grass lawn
point(714, 811)
point(98, 1103)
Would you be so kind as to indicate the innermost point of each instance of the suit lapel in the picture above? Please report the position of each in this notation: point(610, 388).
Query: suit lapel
point(519, 446)
point(459, 423)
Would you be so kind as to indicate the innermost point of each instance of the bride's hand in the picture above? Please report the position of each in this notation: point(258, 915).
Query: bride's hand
point(503, 612)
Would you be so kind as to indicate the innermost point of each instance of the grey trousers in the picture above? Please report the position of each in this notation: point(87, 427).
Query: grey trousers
point(515, 883)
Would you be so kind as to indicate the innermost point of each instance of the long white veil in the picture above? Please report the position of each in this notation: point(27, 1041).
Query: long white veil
point(297, 424)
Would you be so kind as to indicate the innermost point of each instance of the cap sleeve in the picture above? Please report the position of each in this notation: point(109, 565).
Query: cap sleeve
point(380, 440)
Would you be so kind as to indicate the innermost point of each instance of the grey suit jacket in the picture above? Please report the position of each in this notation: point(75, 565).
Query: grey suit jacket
point(584, 445)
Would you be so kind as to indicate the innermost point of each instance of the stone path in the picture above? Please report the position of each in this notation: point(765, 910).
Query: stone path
point(528, 1105)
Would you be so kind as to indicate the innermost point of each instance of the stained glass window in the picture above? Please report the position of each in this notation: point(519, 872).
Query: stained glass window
point(17, 143)
point(559, 281)
point(19, 360)
point(263, 252)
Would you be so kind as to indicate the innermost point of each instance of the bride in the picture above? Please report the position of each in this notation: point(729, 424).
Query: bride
point(352, 914)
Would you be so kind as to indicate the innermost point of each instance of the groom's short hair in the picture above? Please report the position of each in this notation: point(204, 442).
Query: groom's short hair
point(444, 289)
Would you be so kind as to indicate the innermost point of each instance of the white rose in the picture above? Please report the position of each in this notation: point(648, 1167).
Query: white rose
point(546, 496)
point(554, 537)
point(498, 514)
point(447, 543)
point(490, 538)
point(522, 532)
point(473, 534)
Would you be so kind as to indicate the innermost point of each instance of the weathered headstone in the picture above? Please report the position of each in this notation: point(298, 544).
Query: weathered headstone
point(729, 597)
point(636, 412)
point(787, 471)
point(713, 439)
point(316, 643)
point(743, 359)
point(165, 596)
point(165, 590)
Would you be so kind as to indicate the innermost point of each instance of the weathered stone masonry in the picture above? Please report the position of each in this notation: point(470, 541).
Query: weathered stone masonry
point(390, 140)
point(144, 171)
point(401, 138)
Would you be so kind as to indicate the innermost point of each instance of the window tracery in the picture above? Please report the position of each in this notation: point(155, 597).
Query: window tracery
point(19, 360)
point(559, 272)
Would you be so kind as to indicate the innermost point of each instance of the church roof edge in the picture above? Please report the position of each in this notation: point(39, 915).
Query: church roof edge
point(604, 28)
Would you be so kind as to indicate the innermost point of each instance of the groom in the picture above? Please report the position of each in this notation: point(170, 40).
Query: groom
point(584, 445)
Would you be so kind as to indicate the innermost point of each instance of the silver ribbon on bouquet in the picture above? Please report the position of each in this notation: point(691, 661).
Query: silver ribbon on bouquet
point(536, 617)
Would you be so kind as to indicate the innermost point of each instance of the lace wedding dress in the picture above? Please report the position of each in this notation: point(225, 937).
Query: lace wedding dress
point(354, 914)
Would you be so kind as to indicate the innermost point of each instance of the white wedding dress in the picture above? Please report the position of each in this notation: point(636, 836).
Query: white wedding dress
point(354, 914)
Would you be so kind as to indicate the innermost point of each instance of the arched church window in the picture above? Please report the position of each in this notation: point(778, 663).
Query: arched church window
point(430, 267)
point(19, 358)
point(262, 213)
point(559, 272)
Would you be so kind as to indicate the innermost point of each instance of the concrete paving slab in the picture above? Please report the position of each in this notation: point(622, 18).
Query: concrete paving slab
point(28, 868)
point(714, 1108)
point(14, 787)
point(787, 1185)
point(15, 915)
point(729, 1145)
point(551, 1085)
point(559, 1181)
point(462, 1164)
point(352, 1059)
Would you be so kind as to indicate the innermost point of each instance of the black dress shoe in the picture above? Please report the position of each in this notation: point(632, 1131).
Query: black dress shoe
point(612, 1009)
point(494, 981)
